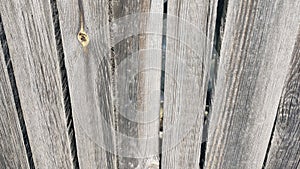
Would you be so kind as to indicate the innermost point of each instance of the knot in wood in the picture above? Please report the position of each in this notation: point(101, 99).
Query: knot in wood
point(83, 38)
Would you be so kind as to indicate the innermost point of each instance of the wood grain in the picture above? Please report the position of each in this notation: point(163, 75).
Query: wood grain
point(285, 146)
point(89, 78)
point(256, 52)
point(137, 55)
point(190, 31)
point(30, 36)
point(13, 153)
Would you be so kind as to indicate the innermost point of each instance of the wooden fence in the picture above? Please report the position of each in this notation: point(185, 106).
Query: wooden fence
point(118, 84)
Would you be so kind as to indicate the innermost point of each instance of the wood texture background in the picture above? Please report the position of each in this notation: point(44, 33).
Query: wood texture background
point(285, 146)
point(189, 45)
point(89, 77)
point(12, 148)
point(30, 37)
point(68, 105)
point(137, 80)
point(256, 52)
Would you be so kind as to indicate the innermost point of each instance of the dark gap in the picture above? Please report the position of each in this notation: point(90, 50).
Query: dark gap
point(163, 61)
point(220, 23)
point(219, 31)
point(162, 80)
point(205, 128)
point(16, 94)
point(65, 85)
point(271, 138)
point(208, 17)
point(113, 63)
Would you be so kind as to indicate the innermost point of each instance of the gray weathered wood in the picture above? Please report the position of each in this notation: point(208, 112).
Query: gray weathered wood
point(285, 146)
point(13, 154)
point(190, 30)
point(256, 52)
point(89, 77)
point(30, 36)
point(137, 80)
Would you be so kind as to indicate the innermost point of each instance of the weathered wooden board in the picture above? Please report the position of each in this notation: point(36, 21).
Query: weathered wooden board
point(12, 148)
point(285, 146)
point(256, 52)
point(30, 36)
point(137, 42)
point(89, 77)
point(190, 31)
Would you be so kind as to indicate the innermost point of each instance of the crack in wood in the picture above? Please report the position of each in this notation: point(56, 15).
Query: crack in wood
point(82, 36)
point(65, 85)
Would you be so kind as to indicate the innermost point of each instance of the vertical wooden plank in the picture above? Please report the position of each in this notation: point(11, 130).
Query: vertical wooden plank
point(285, 146)
point(89, 77)
point(255, 56)
point(137, 78)
point(13, 153)
point(30, 36)
point(137, 41)
point(190, 30)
